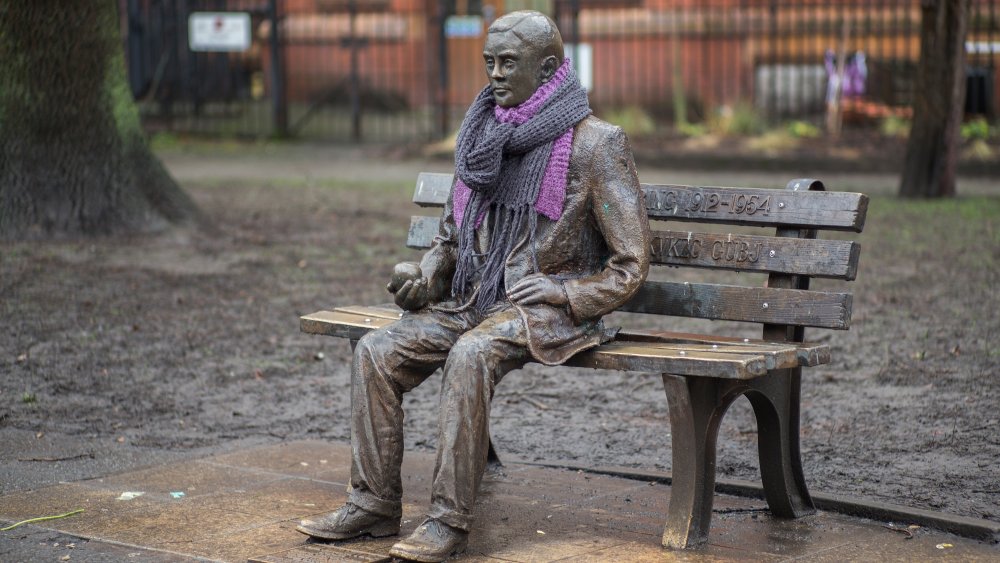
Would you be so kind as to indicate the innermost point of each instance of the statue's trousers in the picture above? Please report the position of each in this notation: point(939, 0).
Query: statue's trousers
point(476, 350)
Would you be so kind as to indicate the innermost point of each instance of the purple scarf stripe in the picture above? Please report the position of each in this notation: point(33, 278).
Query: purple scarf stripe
point(552, 191)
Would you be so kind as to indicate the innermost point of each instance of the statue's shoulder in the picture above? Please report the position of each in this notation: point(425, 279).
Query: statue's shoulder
point(593, 131)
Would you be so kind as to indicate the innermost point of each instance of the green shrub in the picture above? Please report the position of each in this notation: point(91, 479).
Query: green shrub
point(635, 120)
point(976, 129)
point(803, 129)
point(893, 126)
point(739, 120)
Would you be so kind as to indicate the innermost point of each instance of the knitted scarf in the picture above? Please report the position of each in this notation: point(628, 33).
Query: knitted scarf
point(511, 163)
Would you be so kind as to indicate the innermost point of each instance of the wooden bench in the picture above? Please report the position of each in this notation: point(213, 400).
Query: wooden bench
point(704, 374)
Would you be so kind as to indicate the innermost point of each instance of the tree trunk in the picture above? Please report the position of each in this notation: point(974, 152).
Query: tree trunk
point(938, 105)
point(73, 159)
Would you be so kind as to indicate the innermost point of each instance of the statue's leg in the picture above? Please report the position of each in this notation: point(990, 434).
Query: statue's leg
point(388, 363)
point(475, 365)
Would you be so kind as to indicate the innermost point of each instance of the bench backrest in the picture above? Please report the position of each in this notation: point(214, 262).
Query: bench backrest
point(790, 257)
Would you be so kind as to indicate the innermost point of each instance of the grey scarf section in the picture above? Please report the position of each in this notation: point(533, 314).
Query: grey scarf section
point(503, 165)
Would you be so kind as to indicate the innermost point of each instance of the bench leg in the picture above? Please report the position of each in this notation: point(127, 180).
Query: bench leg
point(493, 463)
point(697, 405)
point(775, 400)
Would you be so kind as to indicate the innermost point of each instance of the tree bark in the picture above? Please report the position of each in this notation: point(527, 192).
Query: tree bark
point(938, 105)
point(73, 158)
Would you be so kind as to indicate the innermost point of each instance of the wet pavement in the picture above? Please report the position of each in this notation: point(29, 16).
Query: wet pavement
point(243, 505)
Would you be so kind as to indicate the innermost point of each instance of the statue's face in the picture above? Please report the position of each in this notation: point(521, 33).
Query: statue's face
point(514, 68)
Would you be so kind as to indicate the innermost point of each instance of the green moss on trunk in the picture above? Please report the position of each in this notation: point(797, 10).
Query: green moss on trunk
point(73, 158)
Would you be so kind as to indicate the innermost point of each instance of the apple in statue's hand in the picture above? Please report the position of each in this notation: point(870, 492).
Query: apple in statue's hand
point(402, 273)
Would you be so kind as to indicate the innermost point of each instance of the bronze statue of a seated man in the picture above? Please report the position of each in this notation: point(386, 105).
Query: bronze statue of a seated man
point(543, 233)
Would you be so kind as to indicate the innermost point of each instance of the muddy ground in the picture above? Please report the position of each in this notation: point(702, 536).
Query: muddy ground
point(190, 340)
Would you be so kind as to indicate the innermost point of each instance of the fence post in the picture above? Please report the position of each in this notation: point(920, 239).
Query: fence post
point(442, 78)
point(354, 46)
point(574, 6)
point(278, 102)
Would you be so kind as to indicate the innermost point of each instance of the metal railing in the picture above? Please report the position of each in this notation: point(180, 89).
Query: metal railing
point(403, 70)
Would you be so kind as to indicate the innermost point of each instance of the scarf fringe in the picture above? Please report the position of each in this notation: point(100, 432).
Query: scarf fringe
point(504, 163)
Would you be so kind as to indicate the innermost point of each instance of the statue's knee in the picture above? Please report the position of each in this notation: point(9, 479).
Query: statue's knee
point(373, 344)
point(472, 348)
point(471, 357)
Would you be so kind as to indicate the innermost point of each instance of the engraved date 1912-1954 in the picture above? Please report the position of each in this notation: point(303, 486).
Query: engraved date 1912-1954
point(708, 202)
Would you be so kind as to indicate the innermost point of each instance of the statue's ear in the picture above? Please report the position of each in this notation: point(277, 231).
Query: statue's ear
point(549, 67)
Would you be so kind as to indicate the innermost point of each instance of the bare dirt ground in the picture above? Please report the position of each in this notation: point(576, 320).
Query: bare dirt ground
point(183, 341)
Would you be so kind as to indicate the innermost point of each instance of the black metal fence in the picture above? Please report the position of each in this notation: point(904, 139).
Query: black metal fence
point(397, 70)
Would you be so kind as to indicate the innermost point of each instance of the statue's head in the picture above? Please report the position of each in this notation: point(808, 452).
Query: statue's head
point(523, 50)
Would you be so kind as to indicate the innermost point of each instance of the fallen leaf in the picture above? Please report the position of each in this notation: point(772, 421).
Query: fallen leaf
point(943, 545)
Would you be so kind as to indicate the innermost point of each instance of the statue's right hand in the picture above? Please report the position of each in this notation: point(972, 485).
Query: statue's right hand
point(401, 273)
point(412, 295)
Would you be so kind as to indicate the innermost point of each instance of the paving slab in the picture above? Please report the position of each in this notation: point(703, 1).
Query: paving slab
point(243, 506)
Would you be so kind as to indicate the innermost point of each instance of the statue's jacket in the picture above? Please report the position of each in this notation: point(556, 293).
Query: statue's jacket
point(599, 247)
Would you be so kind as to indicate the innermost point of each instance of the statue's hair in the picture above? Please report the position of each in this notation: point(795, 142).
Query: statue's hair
point(534, 28)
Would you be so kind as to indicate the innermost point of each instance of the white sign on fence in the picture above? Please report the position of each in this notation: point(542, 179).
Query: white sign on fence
point(219, 31)
point(463, 26)
point(582, 56)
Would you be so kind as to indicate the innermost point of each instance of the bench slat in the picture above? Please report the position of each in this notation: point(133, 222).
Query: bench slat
point(759, 207)
point(340, 324)
point(808, 353)
point(822, 258)
point(750, 304)
point(729, 206)
point(722, 302)
point(630, 356)
point(385, 311)
point(432, 189)
point(633, 351)
point(422, 231)
point(638, 357)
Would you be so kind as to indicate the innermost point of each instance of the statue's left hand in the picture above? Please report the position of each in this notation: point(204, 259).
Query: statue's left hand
point(536, 289)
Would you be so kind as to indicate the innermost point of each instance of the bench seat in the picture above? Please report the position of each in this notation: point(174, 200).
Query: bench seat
point(644, 351)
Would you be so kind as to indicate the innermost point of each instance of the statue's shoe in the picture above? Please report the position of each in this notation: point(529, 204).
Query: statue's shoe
point(350, 521)
point(431, 542)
